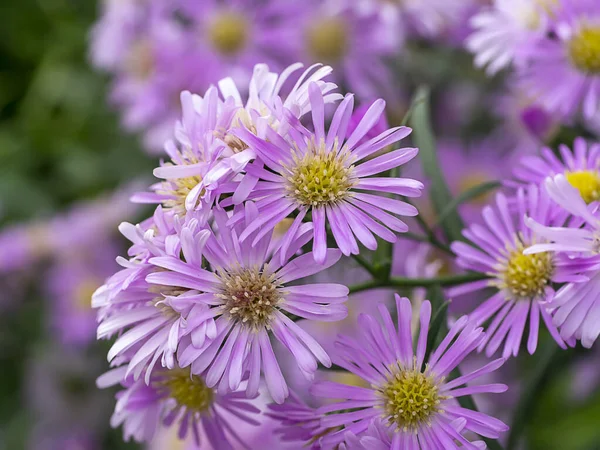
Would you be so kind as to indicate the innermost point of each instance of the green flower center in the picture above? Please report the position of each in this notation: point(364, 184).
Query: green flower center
point(587, 182)
point(319, 177)
point(229, 33)
point(526, 276)
point(411, 398)
point(187, 390)
point(327, 40)
point(584, 49)
point(250, 295)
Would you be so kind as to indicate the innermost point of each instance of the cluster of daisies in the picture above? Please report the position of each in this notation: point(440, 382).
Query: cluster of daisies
point(272, 176)
point(258, 195)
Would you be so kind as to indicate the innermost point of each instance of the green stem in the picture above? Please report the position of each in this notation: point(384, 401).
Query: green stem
point(430, 235)
point(399, 282)
point(531, 393)
point(366, 265)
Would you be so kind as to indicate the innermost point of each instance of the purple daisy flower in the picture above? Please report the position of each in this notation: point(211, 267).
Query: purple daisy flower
point(174, 397)
point(576, 306)
point(247, 295)
point(503, 32)
point(383, 355)
point(146, 316)
point(378, 437)
point(563, 73)
point(297, 421)
point(523, 282)
point(324, 173)
point(580, 167)
point(206, 154)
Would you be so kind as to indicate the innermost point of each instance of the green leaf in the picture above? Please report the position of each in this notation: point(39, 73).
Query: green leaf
point(438, 324)
point(424, 139)
point(464, 197)
point(532, 391)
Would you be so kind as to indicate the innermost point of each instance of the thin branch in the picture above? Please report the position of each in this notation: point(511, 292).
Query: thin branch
point(399, 282)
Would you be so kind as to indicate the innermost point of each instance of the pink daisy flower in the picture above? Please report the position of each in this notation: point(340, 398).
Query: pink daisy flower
point(325, 174)
point(147, 318)
point(206, 154)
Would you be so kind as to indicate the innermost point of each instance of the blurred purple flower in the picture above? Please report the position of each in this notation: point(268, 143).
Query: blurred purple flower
point(70, 284)
point(563, 73)
point(505, 32)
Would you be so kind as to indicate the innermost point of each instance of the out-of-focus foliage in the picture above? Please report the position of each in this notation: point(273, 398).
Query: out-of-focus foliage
point(59, 143)
point(58, 139)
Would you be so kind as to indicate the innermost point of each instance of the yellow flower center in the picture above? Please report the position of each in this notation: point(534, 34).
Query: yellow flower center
point(327, 40)
point(140, 61)
point(187, 390)
point(584, 49)
point(83, 294)
point(250, 295)
point(587, 182)
point(229, 33)
point(526, 276)
point(471, 181)
point(319, 177)
point(162, 292)
point(178, 189)
point(411, 398)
